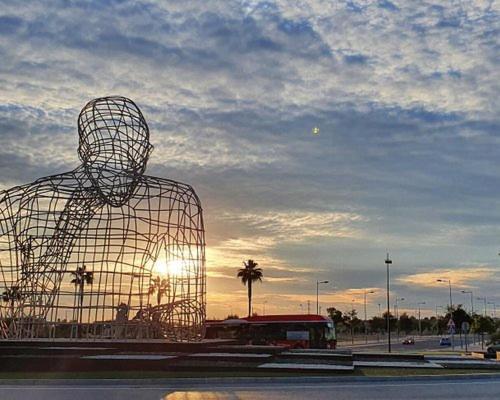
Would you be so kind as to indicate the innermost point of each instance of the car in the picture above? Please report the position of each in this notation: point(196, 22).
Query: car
point(445, 341)
point(409, 340)
point(494, 348)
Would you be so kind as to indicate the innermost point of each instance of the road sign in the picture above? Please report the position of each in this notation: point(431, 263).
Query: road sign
point(451, 326)
point(465, 327)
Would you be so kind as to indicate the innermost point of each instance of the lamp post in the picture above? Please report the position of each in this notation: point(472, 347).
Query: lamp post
point(317, 294)
point(396, 312)
point(494, 309)
point(449, 283)
point(419, 320)
point(366, 333)
point(484, 299)
point(471, 299)
point(388, 261)
point(352, 321)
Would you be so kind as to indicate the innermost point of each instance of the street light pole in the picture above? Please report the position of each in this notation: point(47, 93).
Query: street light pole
point(449, 283)
point(484, 299)
point(317, 295)
point(366, 333)
point(494, 309)
point(396, 311)
point(471, 299)
point(388, 261)
point(419, 320)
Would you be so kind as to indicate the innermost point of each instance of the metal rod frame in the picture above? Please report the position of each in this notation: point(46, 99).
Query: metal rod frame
point(103, 251)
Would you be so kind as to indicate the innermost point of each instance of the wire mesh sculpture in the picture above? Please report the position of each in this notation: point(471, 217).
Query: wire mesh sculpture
point(103, 251)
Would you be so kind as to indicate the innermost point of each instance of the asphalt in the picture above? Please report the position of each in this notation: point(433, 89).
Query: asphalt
point(424, 343)
point(479, 388)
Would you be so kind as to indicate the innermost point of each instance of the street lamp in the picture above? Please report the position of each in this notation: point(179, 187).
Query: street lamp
point(494, 309)
point(317, 294)
point(396, 311)
point(366, 334)
point(388, 261)
point(484, 299)
point(419, 320)
point(471, 299)
point(396, 306)
point(449, 283)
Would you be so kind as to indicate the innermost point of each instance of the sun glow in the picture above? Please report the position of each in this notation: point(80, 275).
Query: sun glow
point(170, 267)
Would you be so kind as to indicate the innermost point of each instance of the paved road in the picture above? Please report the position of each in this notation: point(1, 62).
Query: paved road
point(421, 344)
point(279, 389)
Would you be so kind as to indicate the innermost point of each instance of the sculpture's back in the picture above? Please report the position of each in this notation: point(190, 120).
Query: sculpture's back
point(103, 251)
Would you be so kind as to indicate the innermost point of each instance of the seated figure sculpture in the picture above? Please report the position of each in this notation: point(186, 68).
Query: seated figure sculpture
point(84, 251)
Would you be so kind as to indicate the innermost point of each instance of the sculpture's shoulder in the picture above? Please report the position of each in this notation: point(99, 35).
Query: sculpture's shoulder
point(153, 186)
point(60, 184)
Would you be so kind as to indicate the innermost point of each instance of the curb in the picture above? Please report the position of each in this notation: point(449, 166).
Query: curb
point(190, 382)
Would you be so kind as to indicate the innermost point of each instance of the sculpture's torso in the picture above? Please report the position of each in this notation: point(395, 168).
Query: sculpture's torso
point(123, 246)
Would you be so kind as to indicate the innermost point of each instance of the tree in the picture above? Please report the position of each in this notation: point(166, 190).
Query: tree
point(335, 315)
point(81, 278)
point(160, 286)
point(405, 323)
point(249, 274)
point(378, 324)
point(483, 324)
point(392, 320)
point(459, 316)
point(10, 296)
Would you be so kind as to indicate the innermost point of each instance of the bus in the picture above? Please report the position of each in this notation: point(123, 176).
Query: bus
point(293, 331)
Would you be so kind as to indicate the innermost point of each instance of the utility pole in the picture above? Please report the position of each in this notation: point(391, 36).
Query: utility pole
point(388, 261)
point(308, 306)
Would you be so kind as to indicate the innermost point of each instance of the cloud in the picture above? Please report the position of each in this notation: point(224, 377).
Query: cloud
point(468, 277)
point(405, 95)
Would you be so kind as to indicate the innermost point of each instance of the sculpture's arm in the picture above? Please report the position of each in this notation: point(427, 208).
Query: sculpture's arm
point(9, 206)
point(194, 251)
point(185, 256)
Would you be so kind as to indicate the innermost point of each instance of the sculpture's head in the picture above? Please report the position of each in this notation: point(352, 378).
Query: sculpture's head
point(114, 146)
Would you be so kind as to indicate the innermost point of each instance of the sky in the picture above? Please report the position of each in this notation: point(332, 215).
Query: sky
point(405, 95)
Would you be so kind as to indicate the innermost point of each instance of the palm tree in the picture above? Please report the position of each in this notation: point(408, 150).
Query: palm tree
point(81, 278)
point(11, 296)
point(248, 275)
point(160, 286)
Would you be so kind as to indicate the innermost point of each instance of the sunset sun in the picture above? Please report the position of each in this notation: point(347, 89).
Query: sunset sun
point(170, 267)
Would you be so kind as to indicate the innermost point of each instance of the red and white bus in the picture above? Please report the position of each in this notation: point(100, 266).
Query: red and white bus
point(294, 331)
